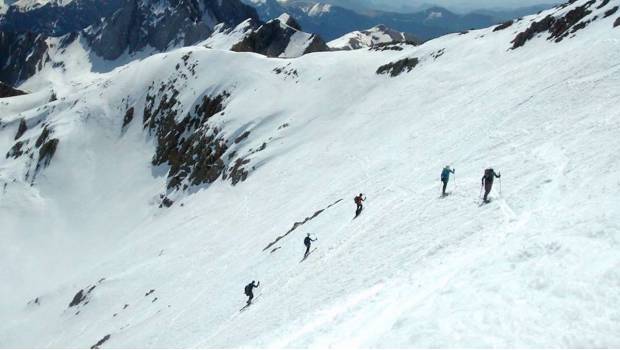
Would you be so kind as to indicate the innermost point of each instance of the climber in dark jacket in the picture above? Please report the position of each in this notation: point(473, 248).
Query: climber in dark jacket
point(358, 201)
point(249, 292)
point(308, 242)
point(487, 181)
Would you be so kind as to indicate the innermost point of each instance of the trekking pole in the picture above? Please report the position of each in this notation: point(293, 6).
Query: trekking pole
point(454, 182)
point(500, 186)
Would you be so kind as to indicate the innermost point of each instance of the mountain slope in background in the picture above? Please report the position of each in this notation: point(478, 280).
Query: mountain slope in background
point(143, 27)
point(332, 21)
point(56, 18)
point(280, 37)
point(154, 24)
point(501, 15)
point(138, 202)
point(379, 35)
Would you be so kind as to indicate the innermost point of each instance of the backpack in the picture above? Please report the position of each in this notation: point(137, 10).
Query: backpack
point(445, 174)
point(488, 174)
point(248, 289)
point(357, 200)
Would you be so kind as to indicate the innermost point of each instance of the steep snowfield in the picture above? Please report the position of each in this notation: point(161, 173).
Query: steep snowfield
point(537, 267)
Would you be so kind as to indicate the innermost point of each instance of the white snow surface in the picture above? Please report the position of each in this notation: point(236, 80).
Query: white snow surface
point(536, 267)
point(298, 44)
point(224, 38)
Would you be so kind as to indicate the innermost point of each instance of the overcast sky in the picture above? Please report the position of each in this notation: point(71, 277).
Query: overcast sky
point(457, 5)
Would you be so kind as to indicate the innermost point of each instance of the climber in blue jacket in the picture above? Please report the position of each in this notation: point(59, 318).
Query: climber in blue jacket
point(445, 177)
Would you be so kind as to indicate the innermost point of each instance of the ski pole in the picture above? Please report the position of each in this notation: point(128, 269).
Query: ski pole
point(454, 182)
point(500, 186)
point(480, 195)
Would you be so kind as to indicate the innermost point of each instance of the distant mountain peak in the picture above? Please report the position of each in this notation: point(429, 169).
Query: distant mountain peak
point(377, 35)
point(288, 21)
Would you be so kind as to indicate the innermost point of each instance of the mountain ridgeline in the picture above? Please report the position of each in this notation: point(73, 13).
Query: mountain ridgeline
point(148, 26)
point(54, 19)
point(331, 21)
point(140, 24)
point(30, 36)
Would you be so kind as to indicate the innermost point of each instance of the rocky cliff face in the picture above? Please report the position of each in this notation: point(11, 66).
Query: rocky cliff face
point(8, 91)
point(281, 37)
point(162, 24)
point(136, 25)
point(154, 25)
point(57, 18)
point(21, 55)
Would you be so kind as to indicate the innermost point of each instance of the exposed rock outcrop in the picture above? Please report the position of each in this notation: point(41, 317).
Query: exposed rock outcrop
point(57, 18)
point(21, 129)
point(503, 26)
point(98, 344)
point(281, 37)
point(163, 24)
point(42, 149)
point(8, 91)
point(396, 68)
point(135, 26)
point(21, 55)
point(558, 27)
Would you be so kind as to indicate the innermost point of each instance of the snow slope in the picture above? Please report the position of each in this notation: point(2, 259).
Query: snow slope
point(537, 267)
point(369, 38)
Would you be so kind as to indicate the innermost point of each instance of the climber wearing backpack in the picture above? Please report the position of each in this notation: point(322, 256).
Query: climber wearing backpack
point(249, 292)
point(358, 200)
point(308, 242)
point(445, 177)
point(487, 181)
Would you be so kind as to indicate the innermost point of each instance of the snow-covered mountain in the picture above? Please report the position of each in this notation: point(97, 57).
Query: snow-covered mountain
point(331, 21)
point(143, 24)
point(55, 18)
point(280, 37)
point(379, 35)
point(144, 27)
point(137, 202)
